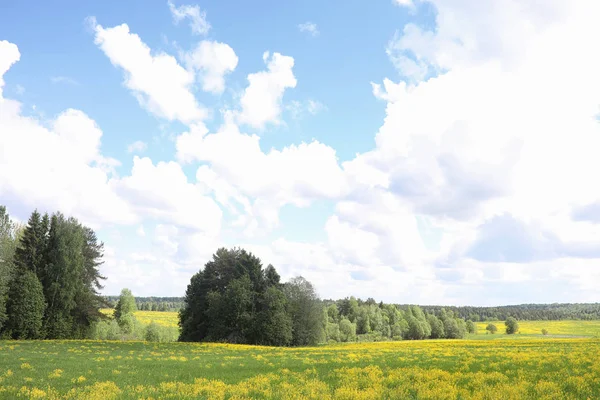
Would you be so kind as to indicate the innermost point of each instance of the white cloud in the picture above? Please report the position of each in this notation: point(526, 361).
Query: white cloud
point(212, 61)
point(274, 179)
point(310, 28)
point(64, 171)
point(137, 147)
point(197, 17)
point(140, 231)
point(159, 83)
point(261, 101)
point(9, 54)
point(162, 192)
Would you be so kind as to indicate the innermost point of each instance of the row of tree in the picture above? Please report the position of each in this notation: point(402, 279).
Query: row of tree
point(151, 303)
point(349, 319)
point(234, 299)
point(525, 312)
point(49, 277)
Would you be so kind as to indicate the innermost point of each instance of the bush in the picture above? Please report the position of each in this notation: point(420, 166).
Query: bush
point(471, 327)
point(152, 332)
point(512, 326)
point(491, 328)
point(544, 332)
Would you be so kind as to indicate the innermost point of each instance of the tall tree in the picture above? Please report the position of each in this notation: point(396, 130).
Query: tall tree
point(63, 276)
point(306, 312)
point(88, 299)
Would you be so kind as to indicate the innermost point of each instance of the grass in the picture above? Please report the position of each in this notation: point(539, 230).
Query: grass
point(432, 369)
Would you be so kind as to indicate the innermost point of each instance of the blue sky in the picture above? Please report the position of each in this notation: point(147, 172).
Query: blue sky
point(397, 149)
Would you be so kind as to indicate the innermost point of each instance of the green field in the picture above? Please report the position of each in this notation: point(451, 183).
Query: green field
point(531, 368)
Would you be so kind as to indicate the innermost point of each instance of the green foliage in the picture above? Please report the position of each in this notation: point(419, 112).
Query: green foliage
point(274, 323)
point(62, 276)
point(491, 328)
point(8, 243)
point(234, 299)
point(306, 312)
point(347, 330)
point(31, 253)
point(544, 332)
point(25, 307)
point(437, 327)
point(152, 333)
point(512, 326)
point(65, 258)
point(125, 306)
point(471, 327)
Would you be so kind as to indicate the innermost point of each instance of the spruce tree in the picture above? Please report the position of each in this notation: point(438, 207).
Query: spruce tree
point(63, 277)
point(30, 254)
point(26, 305)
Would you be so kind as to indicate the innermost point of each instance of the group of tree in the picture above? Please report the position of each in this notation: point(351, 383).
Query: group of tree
point(525, 312)
point(49, 277)
point(353, 319)
point(123, 325)
point(511, 324)
point(234, 299)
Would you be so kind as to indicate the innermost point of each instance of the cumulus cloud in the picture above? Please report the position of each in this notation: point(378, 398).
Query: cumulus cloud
point(197, 17)
point(162, 192)
point(159, 83)
point(65, 169)
point(212, 61)
point(261, 101)
point(274, 179)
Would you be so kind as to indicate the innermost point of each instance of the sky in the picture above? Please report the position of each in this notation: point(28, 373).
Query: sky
point(413, 151)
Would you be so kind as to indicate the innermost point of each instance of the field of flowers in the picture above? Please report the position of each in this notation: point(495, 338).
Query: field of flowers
point(431, 369)
point(554, 328)
point(163, 318)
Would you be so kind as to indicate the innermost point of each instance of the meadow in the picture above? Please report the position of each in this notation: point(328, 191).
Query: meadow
point(554, 328)
point(430, 369)
point(163, 318)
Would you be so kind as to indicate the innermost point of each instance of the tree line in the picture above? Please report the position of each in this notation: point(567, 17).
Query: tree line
point(525, 312)
point(49, 277)
point(151, 303)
